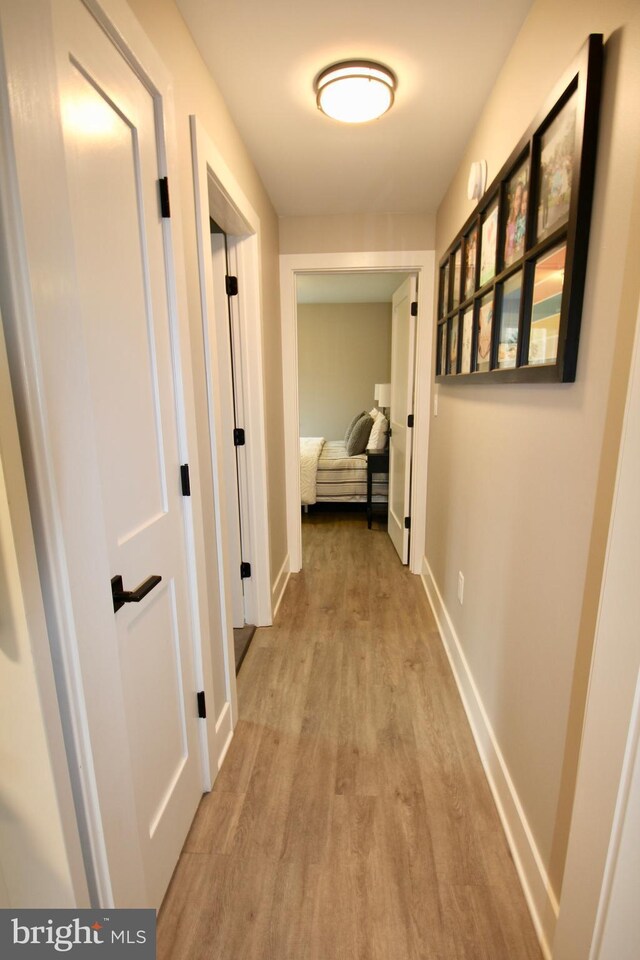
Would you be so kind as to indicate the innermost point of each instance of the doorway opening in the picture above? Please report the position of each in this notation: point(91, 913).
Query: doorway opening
point(228, 238)
point(418, 264)
point(230, 376)
point(356, 366)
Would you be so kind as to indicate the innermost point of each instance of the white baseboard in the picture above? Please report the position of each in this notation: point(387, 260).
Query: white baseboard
point(541, 900)
point(277, 591)
point(225, 747)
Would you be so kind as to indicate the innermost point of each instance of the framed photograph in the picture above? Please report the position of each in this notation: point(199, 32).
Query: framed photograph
point(555, 171)
point(509, 321)
point(445, 289)
point(453, 344)
point(442, 366)
point(489, 244)
point(485, 329)
point(470, 252)
point(456, 278)
point(548, 285)
point(517, 200)
point(514, 275)
point(442, 297)
point(467, 340)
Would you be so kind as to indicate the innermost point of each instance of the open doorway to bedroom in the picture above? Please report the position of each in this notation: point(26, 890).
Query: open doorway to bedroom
point(355, 352)
point(419, 265)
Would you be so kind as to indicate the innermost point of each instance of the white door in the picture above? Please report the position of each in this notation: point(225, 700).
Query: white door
point(220, 364)
point(402, 387)
point(112, 146)
point(240, 415)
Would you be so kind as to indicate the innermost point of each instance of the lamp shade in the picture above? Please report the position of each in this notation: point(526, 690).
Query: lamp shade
point(382, 394)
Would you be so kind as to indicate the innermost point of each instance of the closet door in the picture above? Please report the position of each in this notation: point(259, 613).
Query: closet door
point(403, 337)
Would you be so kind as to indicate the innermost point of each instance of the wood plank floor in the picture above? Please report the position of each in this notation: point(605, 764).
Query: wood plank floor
point(351, 818)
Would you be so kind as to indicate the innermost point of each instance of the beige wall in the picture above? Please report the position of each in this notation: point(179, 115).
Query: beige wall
point(521, 476)
point(353, 233)
point(196, 93)
point(343, 350)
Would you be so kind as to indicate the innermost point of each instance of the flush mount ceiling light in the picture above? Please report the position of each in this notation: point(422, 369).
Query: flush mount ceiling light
point(354, 91)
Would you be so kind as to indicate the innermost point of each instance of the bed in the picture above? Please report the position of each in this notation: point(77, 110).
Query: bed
point(329, 475)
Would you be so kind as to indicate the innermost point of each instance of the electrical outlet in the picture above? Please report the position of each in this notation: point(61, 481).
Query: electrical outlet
point(435, 402)
point(460, 587)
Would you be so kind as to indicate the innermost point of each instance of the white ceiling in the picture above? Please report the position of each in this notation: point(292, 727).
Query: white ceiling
point(347, 287)
point(265, 54)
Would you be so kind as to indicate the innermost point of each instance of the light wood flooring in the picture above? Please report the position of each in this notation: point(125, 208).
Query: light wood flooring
point(351, 818)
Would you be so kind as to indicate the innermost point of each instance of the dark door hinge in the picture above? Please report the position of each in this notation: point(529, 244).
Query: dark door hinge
point(231, 286)
point(202, 706)
point(414, 308)
point(185, 480)
point(165, 206)
point(410, 420)
point(245, 570)
point(239, 439)
point(407, 523)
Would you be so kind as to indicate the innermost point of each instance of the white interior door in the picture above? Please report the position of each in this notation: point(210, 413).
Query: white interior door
point(240, 413)
point(112, 143)
point(220, 365)
point(402, 388)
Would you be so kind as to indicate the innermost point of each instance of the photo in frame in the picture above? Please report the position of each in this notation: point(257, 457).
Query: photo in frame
point(489, 245)
point(443, 348)
point(467, 340)
point(555, 178)
point(445, 288)
point(517, 200)
point(548, 284)
point(509, 321)
point(456, 278)
point(485, 329)
point(453, 344)
point(470, 254)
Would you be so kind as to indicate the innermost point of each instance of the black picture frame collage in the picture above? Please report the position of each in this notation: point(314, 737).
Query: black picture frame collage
point(511, 284)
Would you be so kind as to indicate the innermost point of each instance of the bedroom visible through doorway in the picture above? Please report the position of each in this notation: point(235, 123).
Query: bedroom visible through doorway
point(348, 345)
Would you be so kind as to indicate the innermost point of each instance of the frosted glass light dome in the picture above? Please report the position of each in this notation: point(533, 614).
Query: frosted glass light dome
point(354, 91)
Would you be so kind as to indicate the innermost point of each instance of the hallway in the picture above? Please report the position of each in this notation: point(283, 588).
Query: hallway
point(351, 818)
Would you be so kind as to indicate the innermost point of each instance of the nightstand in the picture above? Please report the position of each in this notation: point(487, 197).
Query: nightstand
point(377, 462)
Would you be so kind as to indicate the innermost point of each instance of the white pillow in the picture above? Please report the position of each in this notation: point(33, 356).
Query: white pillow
point(378, 435)
point(375, 413)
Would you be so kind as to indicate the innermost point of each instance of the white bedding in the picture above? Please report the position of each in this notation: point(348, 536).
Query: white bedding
point(328, 474)
point(310, 449)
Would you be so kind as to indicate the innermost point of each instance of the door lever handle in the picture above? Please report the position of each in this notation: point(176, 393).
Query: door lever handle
point(121, 596)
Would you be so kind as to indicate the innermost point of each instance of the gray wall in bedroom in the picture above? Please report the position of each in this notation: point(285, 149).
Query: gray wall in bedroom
point(343, 350)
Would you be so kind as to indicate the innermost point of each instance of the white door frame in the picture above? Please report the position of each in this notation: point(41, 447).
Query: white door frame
point(40, 848)
point(612, 712)
point(218, 194)
point(422, 264)
point(35, 223)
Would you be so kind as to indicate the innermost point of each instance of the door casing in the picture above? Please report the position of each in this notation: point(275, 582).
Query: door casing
point(422, 264)
point(218, 195)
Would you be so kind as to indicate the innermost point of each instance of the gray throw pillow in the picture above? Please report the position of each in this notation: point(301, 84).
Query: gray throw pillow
point(357, 442)
point(352, 425)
